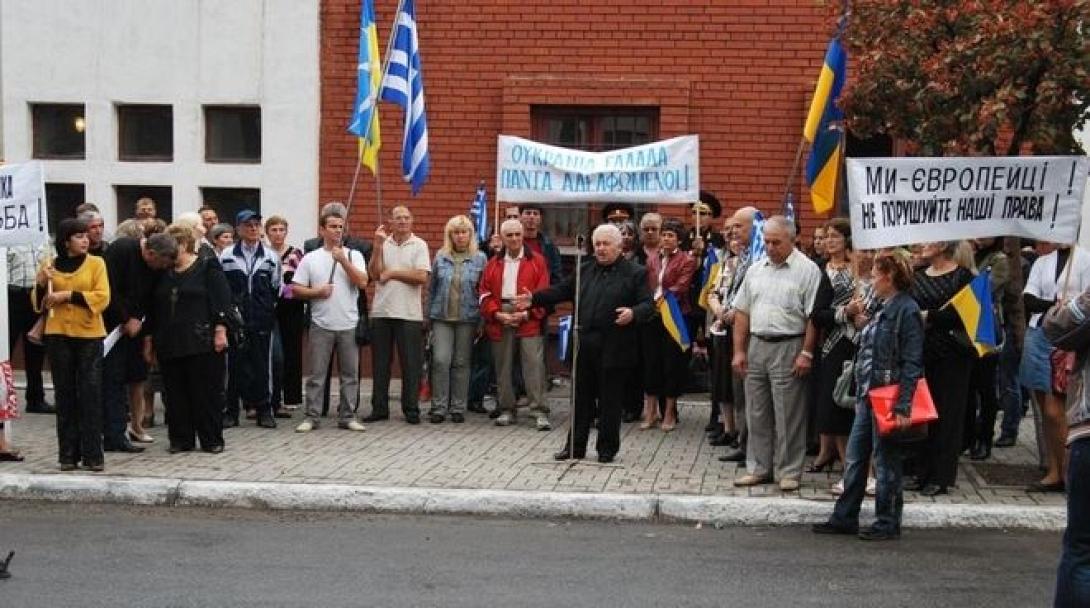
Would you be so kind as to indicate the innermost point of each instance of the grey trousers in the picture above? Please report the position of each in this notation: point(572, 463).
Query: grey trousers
point(532, 357)
point(321, 344)
point(775, 409)
point(451, 348)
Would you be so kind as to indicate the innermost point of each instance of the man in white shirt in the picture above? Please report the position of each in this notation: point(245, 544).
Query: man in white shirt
point(400, 268)
point(773, 348)
point(331, 277)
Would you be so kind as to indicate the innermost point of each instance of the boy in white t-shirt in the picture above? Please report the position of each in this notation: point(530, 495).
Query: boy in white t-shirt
point(331, 277)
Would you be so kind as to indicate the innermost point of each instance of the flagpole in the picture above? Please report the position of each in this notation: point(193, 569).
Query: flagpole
point(791, 176)
point(367, 132)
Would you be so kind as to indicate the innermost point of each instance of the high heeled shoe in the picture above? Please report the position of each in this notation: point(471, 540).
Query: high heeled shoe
point(649, 423)
point(819, 468)
point(138, 437)
point(668, 426)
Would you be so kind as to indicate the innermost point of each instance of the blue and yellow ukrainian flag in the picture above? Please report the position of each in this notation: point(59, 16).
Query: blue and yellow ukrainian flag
point(822, 129)
point(974, 305)
point(708, 274)
point(673, 320)
point(365, 125)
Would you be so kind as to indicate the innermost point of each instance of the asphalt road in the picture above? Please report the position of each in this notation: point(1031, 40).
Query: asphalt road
point(91, 555)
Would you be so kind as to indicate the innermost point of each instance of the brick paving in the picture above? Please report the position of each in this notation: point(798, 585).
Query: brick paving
point(479, 455)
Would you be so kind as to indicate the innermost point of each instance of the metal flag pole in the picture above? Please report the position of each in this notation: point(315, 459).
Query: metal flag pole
point(367, 131)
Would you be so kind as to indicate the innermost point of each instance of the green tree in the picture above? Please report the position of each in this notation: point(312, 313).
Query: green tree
point(970, 77)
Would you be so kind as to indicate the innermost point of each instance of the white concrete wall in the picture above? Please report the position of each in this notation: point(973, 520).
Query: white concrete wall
point(185, 53)
point(1084, 230)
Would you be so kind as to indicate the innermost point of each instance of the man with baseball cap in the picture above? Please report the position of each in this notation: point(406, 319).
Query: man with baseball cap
point(253, 272)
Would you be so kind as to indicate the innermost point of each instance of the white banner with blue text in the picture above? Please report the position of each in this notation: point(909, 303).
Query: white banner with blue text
point(22, 205)
point(900, 201)
point(662, 172)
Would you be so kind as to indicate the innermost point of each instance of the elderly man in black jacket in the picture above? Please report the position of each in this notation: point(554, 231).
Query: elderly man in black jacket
point(613, 300)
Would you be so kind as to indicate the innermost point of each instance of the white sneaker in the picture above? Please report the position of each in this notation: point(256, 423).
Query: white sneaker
point(543, 423)
point(505, 419)
point(354, 425)
point(838, 488)
point(305, 426)
point(872, 486)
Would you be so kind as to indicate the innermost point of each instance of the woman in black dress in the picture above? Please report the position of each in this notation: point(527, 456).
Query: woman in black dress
point(837, 320)
point(948, 357)
point(187, 324)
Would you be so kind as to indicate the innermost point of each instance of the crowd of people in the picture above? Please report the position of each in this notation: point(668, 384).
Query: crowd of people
point(164, 308)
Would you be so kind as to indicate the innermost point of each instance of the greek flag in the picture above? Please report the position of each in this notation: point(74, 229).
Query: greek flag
point(478, 212)
point(403, 84)
point(757, 238)
point(563, 327)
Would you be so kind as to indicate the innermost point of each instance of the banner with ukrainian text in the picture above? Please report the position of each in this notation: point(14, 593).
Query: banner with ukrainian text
point(900, 201)
point(662, 172)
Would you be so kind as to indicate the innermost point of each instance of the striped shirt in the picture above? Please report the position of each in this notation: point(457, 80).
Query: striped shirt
point(779, 297)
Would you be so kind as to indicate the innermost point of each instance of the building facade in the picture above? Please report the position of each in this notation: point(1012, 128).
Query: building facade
point(185, 101)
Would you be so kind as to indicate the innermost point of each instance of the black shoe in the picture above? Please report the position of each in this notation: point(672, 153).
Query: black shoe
point(933, 489)
point(215, 449)
point(266, 421)
point(735, 455)
point(230, 421)
point(97, 467)
point(122, 446)
point(915, 485)
point(565, 454)
point(711, 426)
point(434, 418)
point(40, 407)
point(412, 418)
point(178, 449)
point(282, 413)
point(476, 408)
point(725, 439)
point(493, 414)
point(981, 451)
point(457, 418)
point(1045, 487)
point(68, 466)
point(831, 528)
point(375, 417)
point(1006, 441)
point(605, 458)
point(876, 534)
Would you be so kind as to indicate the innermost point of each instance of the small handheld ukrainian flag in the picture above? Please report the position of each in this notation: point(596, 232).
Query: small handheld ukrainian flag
point(673, 320)
point(974, 305)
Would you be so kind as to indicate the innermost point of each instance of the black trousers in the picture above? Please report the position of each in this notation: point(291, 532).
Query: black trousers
point(77, 383)
point(250, 374)
point(289, 319)
point(115, 391)
point(21, 317)
point(408, 338)
point(983, 402)
point(189, 397)
point(599, 392)
point(948, 379)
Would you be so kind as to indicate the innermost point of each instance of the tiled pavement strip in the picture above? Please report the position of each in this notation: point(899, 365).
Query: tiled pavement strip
point(479, 455)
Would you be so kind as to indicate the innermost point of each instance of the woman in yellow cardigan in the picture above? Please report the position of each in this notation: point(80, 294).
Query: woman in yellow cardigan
point(73, 341)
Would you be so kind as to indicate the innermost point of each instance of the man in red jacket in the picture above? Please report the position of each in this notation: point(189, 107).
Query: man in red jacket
point(508, 274)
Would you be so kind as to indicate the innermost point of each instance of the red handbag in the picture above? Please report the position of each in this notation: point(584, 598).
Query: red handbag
point(883, 398)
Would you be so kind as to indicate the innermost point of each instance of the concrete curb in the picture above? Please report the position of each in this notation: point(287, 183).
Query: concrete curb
point(713, 510)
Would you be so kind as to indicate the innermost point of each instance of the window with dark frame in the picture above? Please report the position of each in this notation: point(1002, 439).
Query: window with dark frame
point(232, 134)
point(58, 131)
point(145, 133)
point(128, 195)
point(61, 201)
point(595, 129)
point(229, 201)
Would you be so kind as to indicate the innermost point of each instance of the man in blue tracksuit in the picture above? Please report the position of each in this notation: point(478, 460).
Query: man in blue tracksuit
point(253, 271)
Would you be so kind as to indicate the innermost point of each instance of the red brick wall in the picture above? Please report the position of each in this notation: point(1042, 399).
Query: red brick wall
point(739, 73)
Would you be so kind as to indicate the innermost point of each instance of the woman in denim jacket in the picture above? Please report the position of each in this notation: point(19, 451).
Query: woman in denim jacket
point(890, 352)
point(455, 314)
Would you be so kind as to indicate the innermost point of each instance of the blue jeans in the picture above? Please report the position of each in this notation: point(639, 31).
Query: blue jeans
point(888, 464)
point(1073, 578)
point(1010, 390)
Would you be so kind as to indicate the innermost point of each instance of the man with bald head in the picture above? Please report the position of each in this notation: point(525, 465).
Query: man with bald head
point(399, 268)
point(614, 300)
point(773, 348)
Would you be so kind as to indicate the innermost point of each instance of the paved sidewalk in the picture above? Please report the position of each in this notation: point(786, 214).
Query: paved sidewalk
point(477, 455)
